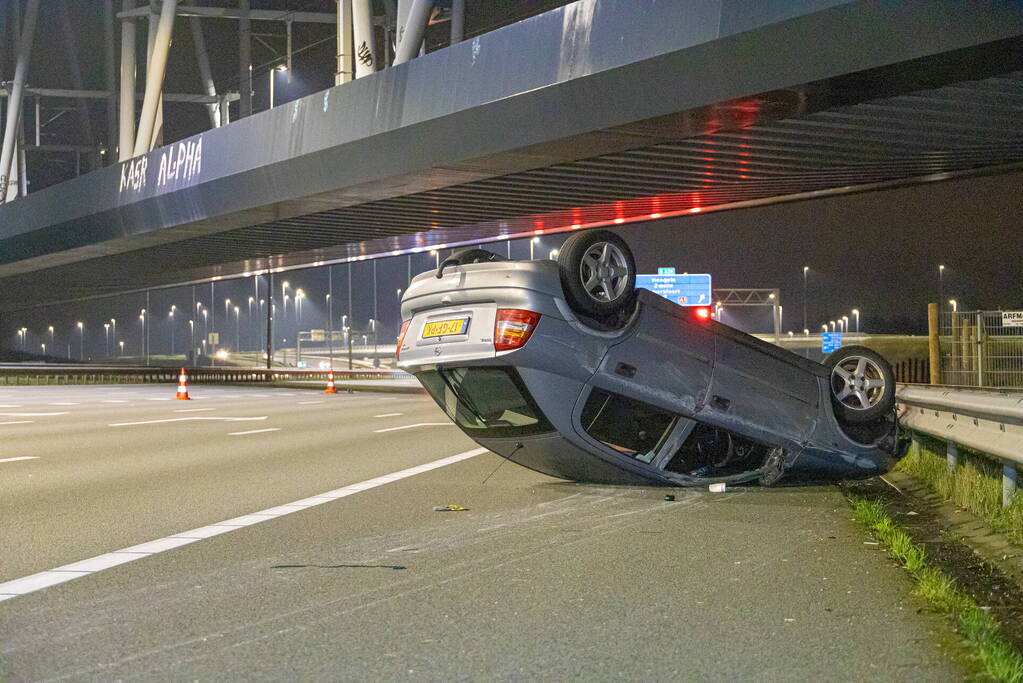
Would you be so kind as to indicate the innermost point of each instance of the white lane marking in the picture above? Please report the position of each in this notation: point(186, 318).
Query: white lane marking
point(158, 399)
point(392, 398)
point(193, 410)
point(11, 405)
point(64, 403)
point(23, 457)
point(418, 424)
point(17, 422)
point(113, 401)
point(308, 403)
point(67, 572)
point(186, 419)
point(255, 431)
point(389, 415)
point(30, 414)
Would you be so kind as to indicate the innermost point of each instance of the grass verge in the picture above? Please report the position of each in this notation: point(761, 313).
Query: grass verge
point(976, 485)
point(996, 655)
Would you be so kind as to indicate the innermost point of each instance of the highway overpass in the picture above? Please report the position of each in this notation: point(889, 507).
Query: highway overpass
point(595, 113)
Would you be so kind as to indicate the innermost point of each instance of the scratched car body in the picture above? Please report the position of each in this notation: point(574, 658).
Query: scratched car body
point(630, 387)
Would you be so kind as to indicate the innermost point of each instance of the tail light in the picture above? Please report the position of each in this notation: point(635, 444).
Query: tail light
point(702, 313)
point(513, 328)
point(401, 338)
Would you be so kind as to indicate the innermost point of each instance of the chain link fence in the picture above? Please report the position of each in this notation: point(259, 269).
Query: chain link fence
point(981, 348)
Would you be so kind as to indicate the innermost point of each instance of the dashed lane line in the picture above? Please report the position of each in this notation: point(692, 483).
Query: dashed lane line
point(308, 403)
point(64, 403)
point(256, 431)
point(69, 572)
point(30, 414)
point(18, 422)
point(193, 410)
point(186, 419)
point(418, 424)
point(389, 415)
point(22, 457)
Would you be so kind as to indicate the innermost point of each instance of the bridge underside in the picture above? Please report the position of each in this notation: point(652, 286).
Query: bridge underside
point(924, 119)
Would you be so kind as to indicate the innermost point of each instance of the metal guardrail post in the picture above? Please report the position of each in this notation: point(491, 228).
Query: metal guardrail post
point(1008, 483)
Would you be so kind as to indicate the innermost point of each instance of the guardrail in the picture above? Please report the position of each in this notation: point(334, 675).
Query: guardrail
point(986, 421)
point(115, 375)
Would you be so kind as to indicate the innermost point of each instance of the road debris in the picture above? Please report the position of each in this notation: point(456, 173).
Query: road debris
point(719, 487)
point(449, 508)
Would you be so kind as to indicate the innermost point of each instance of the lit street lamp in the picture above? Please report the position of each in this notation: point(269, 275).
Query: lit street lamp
point(845, 323)
point(299, 295)
point(121, 345)
point(50, 330)
point(191, 337)
point(106, 339)
point(832, 323)
point(171, 316)
point(81, 341)
point(145, 351)
point(237, 333)
point(273, 72)
point(941, 283)
point(856, 312)
point(806, 269)
point(436, 256)
point(43, 347)
point(824, 328)
point(954, 304)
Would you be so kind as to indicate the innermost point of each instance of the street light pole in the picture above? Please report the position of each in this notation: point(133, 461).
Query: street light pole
point(106, 340)
point(81, 341)
point(171, 315)
point(806, 269)
point(941, 284)
point(237, 331)
point(856, 313)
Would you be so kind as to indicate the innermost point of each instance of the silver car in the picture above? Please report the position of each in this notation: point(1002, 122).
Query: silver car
point(565, 368)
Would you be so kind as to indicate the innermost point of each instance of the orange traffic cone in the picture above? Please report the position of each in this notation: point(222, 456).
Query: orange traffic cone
point(330, 383)
point(182, 387)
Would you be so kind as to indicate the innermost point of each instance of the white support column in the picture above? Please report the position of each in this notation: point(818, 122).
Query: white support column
point(154, 78)
point(365, 46)
point(154, 22)
point(110, 77)
point(208, 86)
point(401, 21)
point(244, 62)
point(415, 30)
point(126, 109)
point(17, 93)
point(345, 43)
point(457, 21)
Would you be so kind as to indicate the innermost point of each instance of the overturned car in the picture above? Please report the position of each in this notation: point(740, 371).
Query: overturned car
point(565, 368)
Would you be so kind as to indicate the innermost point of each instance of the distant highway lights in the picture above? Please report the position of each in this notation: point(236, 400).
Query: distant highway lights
point(237, 332)
point(81, 340)
point(106, 339)
point(205, 329)
point(43, 347)
point(845, 323)
point(832, 324)
point(856, 314)
point(113, 328)
point(806, 331)
point(120, 345)
point(824, 328)
point(299, 296)
point(50, 330)
point(284, 297)
point(191, 337)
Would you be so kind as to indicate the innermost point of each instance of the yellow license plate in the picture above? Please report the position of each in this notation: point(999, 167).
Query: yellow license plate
point(440, 328)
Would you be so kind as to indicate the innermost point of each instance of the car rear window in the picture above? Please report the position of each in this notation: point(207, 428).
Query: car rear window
point(486, 402)
point(631, 427)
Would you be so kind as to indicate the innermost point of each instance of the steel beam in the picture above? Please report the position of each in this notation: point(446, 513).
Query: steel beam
point(204, 71)
point(71, 48)
point(17, 94)
point(126, 109)
point(244, 61)
point(109, 76)
point(240, 13)
point(67, 93)
point(415, 31)
point(154, 78)
point(457, 21)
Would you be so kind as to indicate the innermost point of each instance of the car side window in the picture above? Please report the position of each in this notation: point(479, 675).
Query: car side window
point(631, 427)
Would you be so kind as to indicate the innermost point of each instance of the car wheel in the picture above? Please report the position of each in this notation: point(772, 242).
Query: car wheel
point(862, 384)
point(598, 273)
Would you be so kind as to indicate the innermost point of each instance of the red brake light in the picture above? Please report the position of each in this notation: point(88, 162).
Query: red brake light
point(401, 338)
point(702, 312)
point(513, 328)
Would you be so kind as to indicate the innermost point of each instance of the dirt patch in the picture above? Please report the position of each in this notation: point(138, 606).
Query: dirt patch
point(946, 550)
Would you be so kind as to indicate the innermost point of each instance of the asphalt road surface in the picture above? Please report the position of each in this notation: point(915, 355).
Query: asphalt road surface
point(139, 542)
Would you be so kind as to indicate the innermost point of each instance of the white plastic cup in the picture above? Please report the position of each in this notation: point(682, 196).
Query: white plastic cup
point(718, 487)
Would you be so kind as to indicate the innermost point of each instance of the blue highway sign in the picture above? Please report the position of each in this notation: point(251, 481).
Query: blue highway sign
point(687, 289)
point(831, 341)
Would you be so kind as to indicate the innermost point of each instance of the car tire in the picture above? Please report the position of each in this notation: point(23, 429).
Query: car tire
point(862, 384)
point(598, 273)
